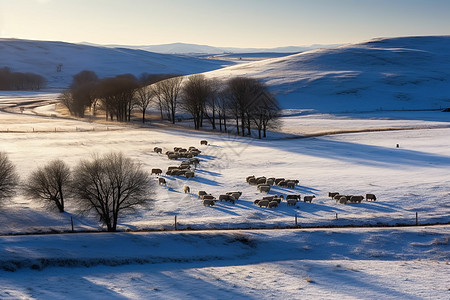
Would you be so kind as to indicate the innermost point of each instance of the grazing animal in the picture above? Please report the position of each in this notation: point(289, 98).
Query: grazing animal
point(224, 197)
point(270, 181)
point(196, 152)
point(356, 199)
point(295, 197)
point(371, 197)
point(208, 202)
point(270, 198)
point(157, 150)
point(189, 174)
point(337, 197)
point(231, 199)
point(156, 171)
point(261, 180)
point(186, 189)
point(273, 204)
point(308, 198)
point(208, 197)
point(332, 194)
point(290, 184)
point(249, 177)
point(235, 195)
point(252, 181)
point(203, 142)
point(282, 183)
point(277, 180)
point(343, 200)
point(264, 203)
point(161, 181)
point(256, 201)
point(194, 161)
point(291, 202)
point(201, 193)
point(263, 188)
point(277, 199)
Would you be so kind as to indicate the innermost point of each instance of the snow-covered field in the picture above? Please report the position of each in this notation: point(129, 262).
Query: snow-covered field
point(407, 263)
point(409, 179)
point(403, 263)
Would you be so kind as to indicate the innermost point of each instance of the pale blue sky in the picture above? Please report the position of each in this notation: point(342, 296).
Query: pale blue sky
point(234, 23)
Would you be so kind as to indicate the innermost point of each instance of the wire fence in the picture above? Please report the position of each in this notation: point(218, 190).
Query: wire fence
point(59, 129)
point(75, 224)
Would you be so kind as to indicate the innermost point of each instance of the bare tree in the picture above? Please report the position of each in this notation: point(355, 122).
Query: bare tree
point(81, 93)
point(167, 91)
point(271, 112)
point(20, 81)
point(212, 105)
point(8, 177)
point(67, 100)
point(250, 101)
point(222, 104)
point(143, 97)
point(110, 185)
point(83, 89)
point(243, 93)
point(50, 183)
point(196, 92)
point(117, 95)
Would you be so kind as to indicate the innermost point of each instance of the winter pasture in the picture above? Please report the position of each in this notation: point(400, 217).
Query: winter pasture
point(345, 110)
point(370, 263)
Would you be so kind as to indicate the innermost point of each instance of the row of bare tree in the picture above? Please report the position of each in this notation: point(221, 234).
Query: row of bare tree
point(20, 81)
point(108, 185)
point(245, 100)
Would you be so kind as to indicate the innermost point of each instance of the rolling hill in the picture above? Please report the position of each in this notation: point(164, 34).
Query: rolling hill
point(43, 58)
point(381, 74)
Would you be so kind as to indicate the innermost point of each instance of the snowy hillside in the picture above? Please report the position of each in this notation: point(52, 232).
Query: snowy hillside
point(43, 58)
point(382, 74)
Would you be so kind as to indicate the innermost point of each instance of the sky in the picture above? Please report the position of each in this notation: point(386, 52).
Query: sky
point(222, 23)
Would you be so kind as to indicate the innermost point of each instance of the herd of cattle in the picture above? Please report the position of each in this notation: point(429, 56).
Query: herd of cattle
point(263, 184)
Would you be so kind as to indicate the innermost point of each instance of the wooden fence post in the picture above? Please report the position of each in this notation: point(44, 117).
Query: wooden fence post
point(176, 226)
point(71, 222)
point(296, 223)
point(417, 218)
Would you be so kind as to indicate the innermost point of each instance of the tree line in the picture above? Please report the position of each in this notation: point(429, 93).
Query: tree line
point(107, 185)
point(243, 103)
point(20, 81)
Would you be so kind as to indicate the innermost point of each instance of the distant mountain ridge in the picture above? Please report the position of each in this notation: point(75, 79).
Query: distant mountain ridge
point(184, 48)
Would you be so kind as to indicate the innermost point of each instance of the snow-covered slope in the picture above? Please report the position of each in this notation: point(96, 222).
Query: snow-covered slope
point(43, 57)
point(382, 74)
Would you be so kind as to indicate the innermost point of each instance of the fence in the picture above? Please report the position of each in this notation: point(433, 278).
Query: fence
point(60, 129)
